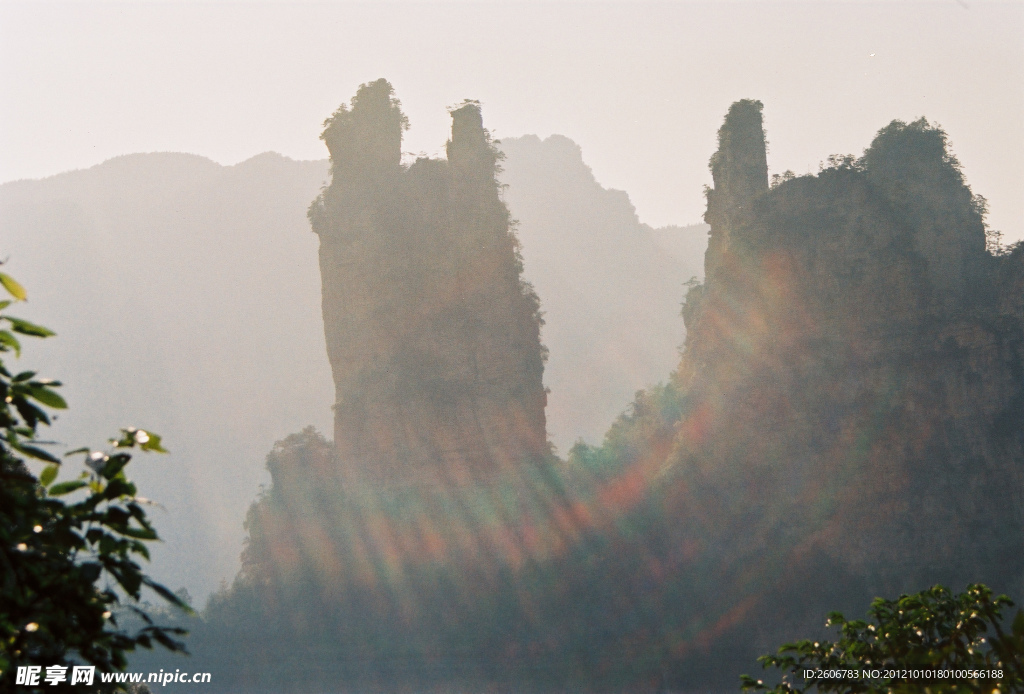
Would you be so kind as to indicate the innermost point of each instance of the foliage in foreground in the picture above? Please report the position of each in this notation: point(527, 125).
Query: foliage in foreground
point(55, 553)
point(960, 638)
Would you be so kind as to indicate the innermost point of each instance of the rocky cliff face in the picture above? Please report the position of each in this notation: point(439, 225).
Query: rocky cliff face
point(847, 419)
point(432, 335)
point(855, 362)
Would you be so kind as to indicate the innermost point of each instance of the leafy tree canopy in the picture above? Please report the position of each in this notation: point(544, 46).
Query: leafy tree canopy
point(67, 568)
point(932, 641)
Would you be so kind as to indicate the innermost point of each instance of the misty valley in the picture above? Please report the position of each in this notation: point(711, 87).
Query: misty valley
point(535, 444)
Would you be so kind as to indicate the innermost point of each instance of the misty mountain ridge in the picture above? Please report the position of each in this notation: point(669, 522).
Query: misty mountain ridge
point(135, 263)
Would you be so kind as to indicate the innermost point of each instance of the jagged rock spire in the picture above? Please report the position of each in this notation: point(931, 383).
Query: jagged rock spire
point(433, 337)
point(365, 139)
point(740, 172)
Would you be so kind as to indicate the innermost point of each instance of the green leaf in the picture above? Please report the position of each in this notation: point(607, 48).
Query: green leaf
point(38, 453)
point(114, 465)
point(12, 287)
point(140, 533)
point(91, 571)
point(49, 475)
point(48, 397)
point(29, 412)
point(63, 488)
point(168, 595)
point(6, 338)
point(127, 575)
point(153, 444)
point(26, 328)
point(167, 642)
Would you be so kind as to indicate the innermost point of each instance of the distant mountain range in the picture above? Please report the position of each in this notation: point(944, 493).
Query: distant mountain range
point(610, 287)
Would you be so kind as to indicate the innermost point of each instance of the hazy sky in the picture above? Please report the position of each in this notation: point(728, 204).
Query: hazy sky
point(641, 87)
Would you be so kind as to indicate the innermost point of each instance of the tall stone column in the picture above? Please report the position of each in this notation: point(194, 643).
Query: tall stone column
point(739, 170)
point(433, 337)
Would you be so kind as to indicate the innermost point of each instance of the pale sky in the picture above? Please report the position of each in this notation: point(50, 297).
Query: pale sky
point(642, 87)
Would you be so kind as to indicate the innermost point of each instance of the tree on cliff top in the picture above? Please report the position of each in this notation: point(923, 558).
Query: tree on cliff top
point(367, 134)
